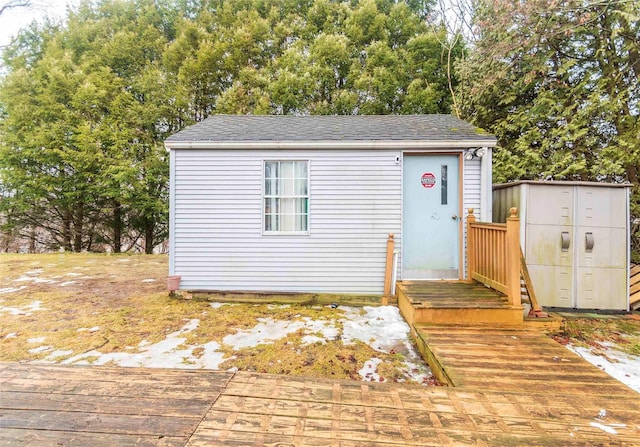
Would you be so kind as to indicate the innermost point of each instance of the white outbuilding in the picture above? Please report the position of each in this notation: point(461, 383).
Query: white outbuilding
point(306, 203)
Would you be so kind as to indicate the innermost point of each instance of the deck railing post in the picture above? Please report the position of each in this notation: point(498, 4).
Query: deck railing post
point(471, 245)
point(513, 258)
point(388, 274)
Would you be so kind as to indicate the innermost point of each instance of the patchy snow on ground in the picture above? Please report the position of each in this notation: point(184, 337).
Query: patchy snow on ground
point(382, 328)
point(59, 353)
point(369, 370)
point(67, 283)
point(40, 349)
point(11, 289)
point(33, 279)
point(617, 364)
point(24, 310)
point(168, 353)
point(266, 331)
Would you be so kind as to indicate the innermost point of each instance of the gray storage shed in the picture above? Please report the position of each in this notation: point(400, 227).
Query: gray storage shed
point(575, 238)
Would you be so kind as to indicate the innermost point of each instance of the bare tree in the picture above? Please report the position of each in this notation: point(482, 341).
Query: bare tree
point(456, 18)
point(7, 5)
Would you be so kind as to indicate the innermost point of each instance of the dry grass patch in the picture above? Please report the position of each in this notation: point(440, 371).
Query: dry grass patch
point(69, 304)
point(331, 359)
point(597, 332)
point(87, 302)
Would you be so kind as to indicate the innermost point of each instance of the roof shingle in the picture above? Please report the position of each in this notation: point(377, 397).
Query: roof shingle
point(334, 128)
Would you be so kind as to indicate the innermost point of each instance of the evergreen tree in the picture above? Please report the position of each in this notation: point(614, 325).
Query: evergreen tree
point(558, 84)
point(86, 105)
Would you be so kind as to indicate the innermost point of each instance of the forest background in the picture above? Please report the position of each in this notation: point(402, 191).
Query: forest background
point(86, 102)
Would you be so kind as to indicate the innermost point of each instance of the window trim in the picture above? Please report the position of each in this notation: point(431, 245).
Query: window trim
point(264, 198)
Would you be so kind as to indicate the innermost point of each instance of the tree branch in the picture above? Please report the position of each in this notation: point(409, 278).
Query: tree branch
point(12, 4)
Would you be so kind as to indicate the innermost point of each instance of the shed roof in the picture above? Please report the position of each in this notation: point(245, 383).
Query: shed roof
point(282, 131)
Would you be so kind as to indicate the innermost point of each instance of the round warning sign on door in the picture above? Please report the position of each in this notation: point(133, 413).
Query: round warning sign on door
point(428, 180)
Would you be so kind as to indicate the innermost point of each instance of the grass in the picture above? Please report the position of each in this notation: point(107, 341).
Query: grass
point(125, 297)
point(113, 303)
point(596, 332)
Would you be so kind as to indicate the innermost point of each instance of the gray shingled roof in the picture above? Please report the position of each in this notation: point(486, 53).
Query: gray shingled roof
point(342, 128)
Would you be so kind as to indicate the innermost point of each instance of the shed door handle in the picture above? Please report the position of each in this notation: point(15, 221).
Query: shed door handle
point(566, 240)
point(589, 242)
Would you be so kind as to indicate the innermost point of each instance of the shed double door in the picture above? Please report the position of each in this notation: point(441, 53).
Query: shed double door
point(576, 245)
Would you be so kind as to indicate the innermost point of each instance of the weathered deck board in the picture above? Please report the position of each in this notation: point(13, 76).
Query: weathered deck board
point(439, 294)
point(57, 405)
point(265, 410)
point(514, 359)
point(20, 437)
point(323, 413)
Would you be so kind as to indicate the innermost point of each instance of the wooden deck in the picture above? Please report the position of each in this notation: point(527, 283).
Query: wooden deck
point(508, 359)
point(47, 405)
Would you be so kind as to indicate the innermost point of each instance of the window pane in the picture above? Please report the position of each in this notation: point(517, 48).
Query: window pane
point(287, 169)
point(270, 187)
point(444, 184)
point(301, 187)
point(286, 196)
point(271, 222)
point(302, 222)
point(270, 169)
point(271, 205)
point(301, 206)
point(301, 169)
point(287, 222)
point(286, 206)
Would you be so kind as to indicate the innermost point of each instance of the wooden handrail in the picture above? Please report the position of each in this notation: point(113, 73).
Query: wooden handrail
point(513, 258)
point(493, 254)
point(388, 273)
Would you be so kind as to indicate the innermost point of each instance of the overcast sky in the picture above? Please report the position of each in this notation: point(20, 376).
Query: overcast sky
point(13, 20)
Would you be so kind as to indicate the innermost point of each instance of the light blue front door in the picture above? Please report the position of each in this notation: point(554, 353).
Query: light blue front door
point(431, 224)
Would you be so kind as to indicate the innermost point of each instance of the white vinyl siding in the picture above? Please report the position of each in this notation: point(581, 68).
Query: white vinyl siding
point(471, 198)
point(217, 237)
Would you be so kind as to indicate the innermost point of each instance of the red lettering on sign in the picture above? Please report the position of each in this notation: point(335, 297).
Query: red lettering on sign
point(428, 180)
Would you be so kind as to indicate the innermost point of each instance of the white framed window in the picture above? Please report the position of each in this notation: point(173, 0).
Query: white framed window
point(286, 196)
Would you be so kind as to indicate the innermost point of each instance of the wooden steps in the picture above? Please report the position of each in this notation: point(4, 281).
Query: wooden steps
point(510, 359)
point(455, 302)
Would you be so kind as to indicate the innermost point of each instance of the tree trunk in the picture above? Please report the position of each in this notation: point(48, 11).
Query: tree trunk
point(117, 227)
point(66, 230)
point(32, 239)
point(78, 227)
point(149, 227)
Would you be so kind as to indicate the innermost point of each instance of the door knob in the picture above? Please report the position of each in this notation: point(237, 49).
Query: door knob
point(454, 217)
